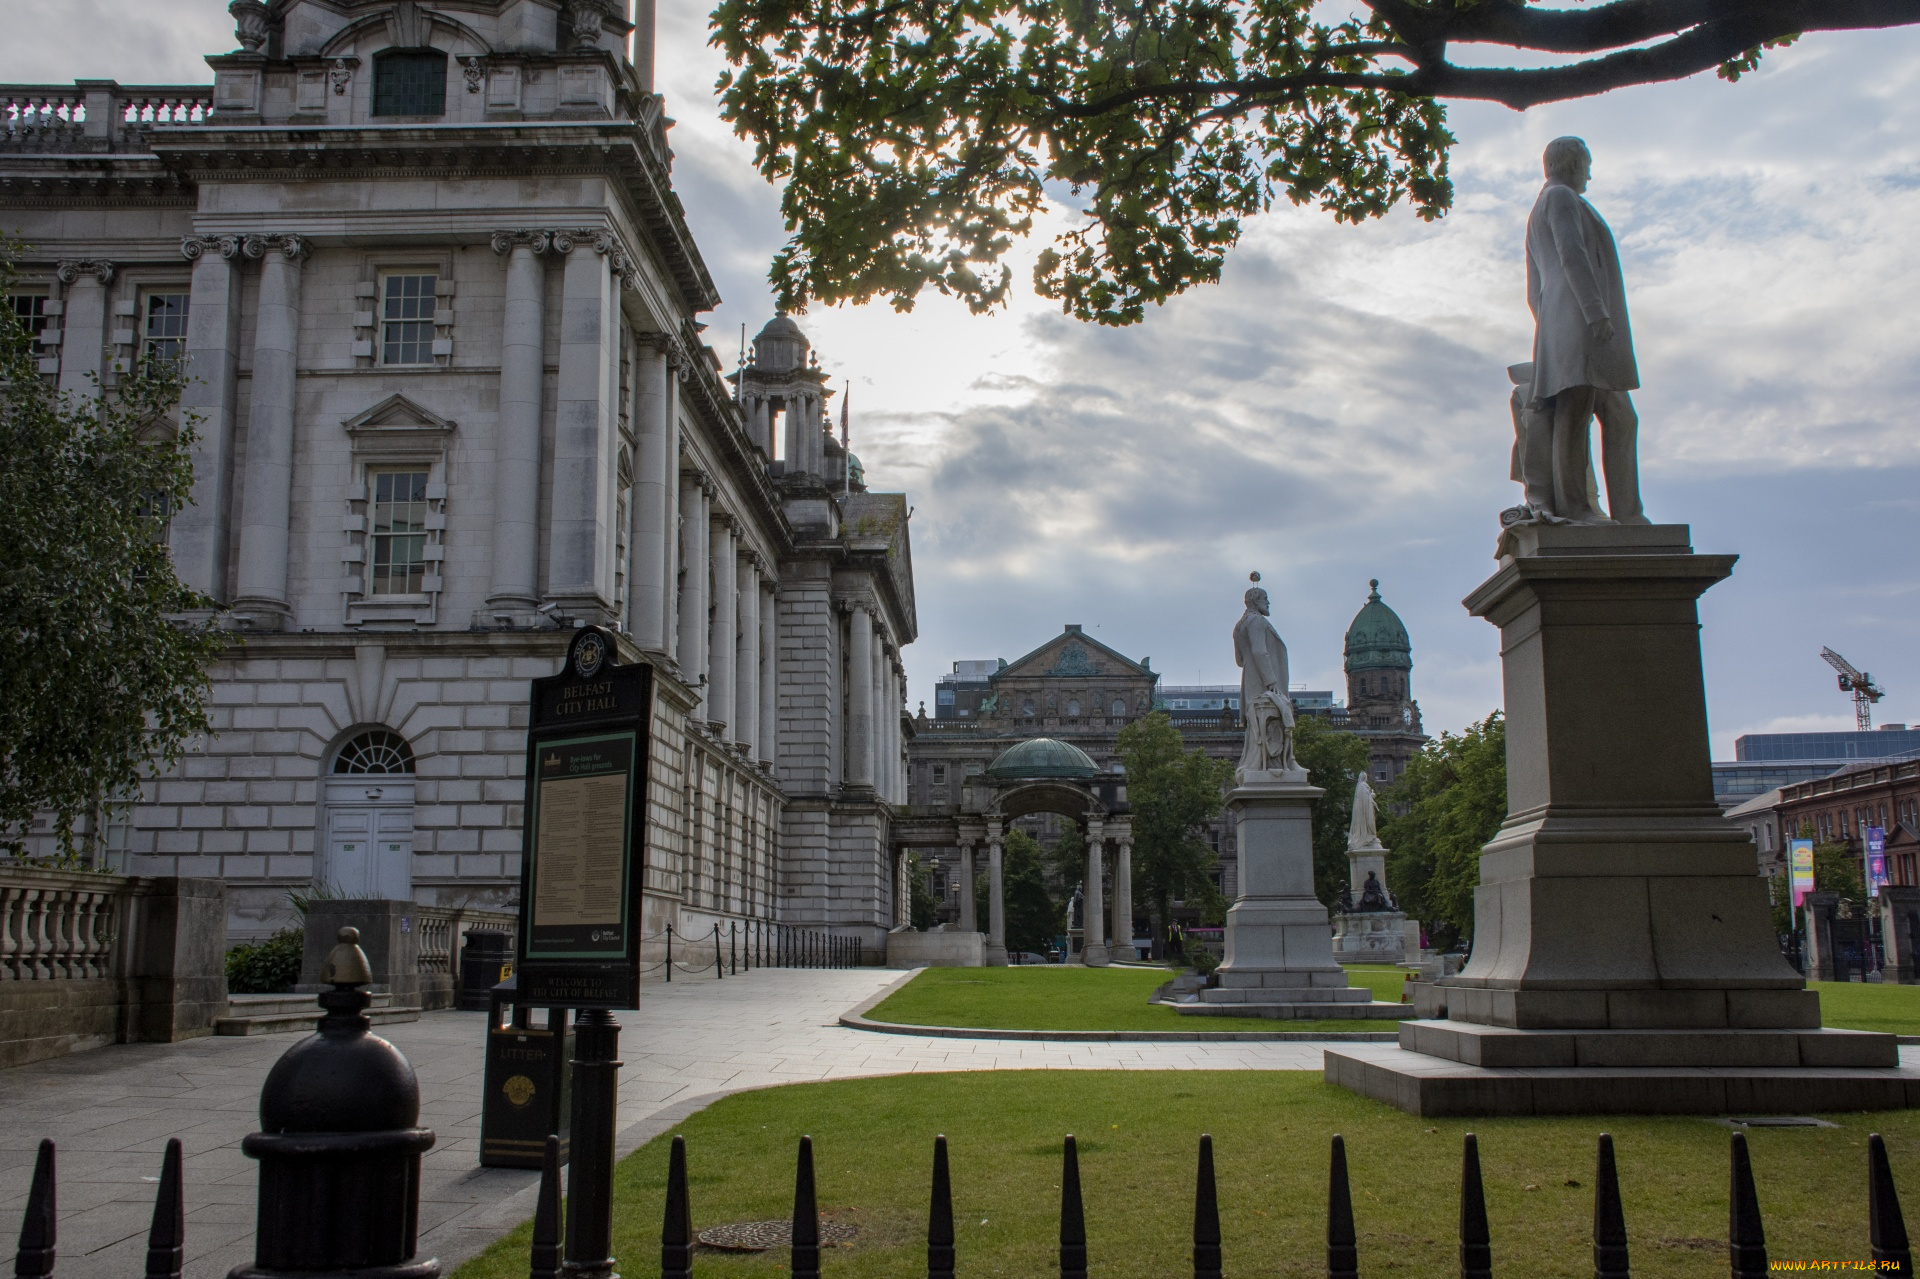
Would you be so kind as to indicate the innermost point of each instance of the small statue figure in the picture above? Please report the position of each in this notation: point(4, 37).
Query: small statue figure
point(1373, 895)
point(1361, 833)
point(1262, 658)
point(1583, 365)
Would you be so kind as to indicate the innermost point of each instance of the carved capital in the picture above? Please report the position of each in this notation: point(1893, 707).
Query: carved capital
point(71, 269)
point(505, 242)
point(294, 247)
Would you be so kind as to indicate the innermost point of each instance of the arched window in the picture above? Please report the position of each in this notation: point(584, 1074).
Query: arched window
point(1119, 707)
point(410, 82)
point(1026, 708)
point(1073, 706)
point(375, 751)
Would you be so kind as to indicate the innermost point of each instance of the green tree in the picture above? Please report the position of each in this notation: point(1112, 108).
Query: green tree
point(1065, 864)
point(1450, 801)
point(923, 910)
point(99, 685)
point(1034, 916)
point(1174, 793)
point(1334, 760)
point(914, 141)
point(1836, 869)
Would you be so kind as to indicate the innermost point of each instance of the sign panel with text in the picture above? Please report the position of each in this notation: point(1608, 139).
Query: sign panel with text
point(1876, 861)
point(583, 839)
point(1800, 859)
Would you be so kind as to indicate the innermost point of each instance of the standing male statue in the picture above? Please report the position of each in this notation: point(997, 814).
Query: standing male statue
point(1262, 658)
point(1583, 363)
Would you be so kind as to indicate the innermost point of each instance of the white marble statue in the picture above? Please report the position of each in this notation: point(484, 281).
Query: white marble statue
point(1262, 658)
point(1583, 364)
point(1362, 836)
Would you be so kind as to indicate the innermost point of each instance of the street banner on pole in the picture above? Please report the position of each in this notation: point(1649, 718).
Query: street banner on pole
point(1800, 858)
point(1876, 860)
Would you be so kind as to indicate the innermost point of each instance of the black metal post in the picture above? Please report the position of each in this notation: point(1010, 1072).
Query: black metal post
point(719, 956)
point(1073, 1217)
point(940, 1253)
point(1206, 1216)
point(1886, 1227)
point(1746, 1236)
point(167, 1237)
point(543, 1261)
point(1343, 1251)
point(1609, 1218)
point(804, 1253)
point(669, 952)
point(34, 1258)
point(733, 947)
point(1476, 1245)
point(676, 1232)
point(596, 1098)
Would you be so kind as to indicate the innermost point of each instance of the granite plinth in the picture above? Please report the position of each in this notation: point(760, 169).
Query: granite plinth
point(1504, 1046)
point(1374, 937)
point(1279, 1005)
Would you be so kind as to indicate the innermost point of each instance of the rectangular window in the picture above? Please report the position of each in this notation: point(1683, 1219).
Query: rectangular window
point(31, 310)
point(398, 542)
point(406, 318)
point(163, 333)
point(410, 82)
point(939, 774)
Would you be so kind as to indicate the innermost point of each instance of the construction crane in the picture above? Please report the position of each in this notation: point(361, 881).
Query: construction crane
point(1859, 683)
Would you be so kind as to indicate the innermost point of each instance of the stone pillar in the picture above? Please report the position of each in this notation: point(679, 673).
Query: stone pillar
point(1612, 828)
point(882, 724)
point(1821, 911)
point(198, 537)
point(859, 734)
point(693, 579)
point(581, 509)
point(746, 658)
point(1899, 931)
point(266, 494)
point(724, 635)
point(651, 589)
point(1093, 935)
point(969, 911)
point(83, 325)
point(996, 900)
point(1122, 941)
point(769, 694)
point(516, 447)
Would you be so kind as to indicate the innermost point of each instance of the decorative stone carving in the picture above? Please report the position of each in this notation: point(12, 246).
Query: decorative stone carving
point(1362, 834)
point(249, 24)
point(1262, 658)
point(340, 74)
point(585, 19)
point(474, 71)
point(71, 269)
point(503, 241)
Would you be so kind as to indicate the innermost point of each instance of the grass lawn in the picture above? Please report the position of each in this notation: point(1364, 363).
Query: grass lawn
point(1068, 997)
point(873, 1142)
point(1856, 1005)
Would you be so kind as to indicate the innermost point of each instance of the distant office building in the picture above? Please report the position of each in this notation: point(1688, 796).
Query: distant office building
point(1888, 739)
point(1735, 783)
point(958, 694)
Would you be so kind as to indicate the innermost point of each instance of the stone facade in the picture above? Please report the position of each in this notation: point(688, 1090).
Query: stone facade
point(435, 297)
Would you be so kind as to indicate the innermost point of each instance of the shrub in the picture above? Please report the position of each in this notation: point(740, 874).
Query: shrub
point(268, 967)
point(1202, 960)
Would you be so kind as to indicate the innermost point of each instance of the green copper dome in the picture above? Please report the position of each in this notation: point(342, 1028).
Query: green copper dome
point(1378, 640)
point(1041, 757)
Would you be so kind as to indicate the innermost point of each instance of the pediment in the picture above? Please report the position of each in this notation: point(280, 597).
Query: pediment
point(398, 417)
point(1072, 655)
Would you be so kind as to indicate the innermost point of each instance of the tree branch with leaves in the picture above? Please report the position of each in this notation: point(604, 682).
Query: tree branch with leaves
point(917, 140)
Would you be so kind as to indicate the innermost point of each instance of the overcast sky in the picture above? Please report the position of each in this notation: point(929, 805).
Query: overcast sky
point(1335, 409)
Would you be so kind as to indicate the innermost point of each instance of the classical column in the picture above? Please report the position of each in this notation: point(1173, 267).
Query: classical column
point(198, 536)
point(582, 508)
point(266, 494)
point(969, 911)
point(1123, 895)
point(1093, 939)
point(83, 324)
point(657, 389)
point(859, 734)
point(746, 660)
point(693, 579)
point(882, 775)
point(769, 673)
point(516, 445)
point(996, 900)
point(724, 631)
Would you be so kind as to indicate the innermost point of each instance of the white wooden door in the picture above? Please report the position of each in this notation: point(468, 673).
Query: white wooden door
point(369, 839)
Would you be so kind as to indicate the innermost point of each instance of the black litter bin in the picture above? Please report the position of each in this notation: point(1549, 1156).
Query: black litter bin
point(486, 959)
point(528, 1082)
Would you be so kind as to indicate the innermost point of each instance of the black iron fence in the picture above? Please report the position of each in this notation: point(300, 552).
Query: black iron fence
point(756, 943)
point(1746, 1236)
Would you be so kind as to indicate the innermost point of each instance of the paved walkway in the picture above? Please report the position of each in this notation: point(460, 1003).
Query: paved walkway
point(111, 1111)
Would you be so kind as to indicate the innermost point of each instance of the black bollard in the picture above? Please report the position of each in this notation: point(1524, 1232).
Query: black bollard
point(803, 1253)
point(543, 1260)
point(1886, 1227)
point(940, 1252)
point(1746, 1236)
point(719, 956)
point(339, 1146)
point(1206, 1216)
point(1476, 1245)
point(35, 1256)
point(1609, 1218)
point(166, 1237)
point(669, 952)
point(676, 1227)
point(1073, 1216)
point(596, 1096)
point(1343, 1250)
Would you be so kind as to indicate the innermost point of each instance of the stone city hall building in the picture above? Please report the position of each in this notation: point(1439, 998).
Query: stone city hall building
point(424, 267)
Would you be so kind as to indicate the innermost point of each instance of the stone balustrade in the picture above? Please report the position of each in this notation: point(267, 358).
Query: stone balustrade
point(50, 932)
point(95, 115)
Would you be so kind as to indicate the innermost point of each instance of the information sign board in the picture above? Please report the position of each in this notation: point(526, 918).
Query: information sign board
point(583, 841)
point(1800, 859)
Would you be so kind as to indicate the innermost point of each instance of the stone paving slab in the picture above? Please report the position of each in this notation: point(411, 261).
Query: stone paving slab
point(111, 1110)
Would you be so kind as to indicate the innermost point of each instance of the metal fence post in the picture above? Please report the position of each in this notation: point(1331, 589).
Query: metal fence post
point(804, 1253)
point(940, 1252)
point(1746, 1236)
point(544, 1259)
point(1206, 1216)
point(1886, 1228)
point(1343, 1252)
point(719, 956)
point(1609, 1219)
point(1476, 1246)
point(167, 1237)
point(35, 1255)
point(676, 1232)
point(1073, 1217)
point(590, 1172)
point(669, 952)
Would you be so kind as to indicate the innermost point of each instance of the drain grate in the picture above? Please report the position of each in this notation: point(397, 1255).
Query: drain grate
point(1781, 1121)
point(759, 1236)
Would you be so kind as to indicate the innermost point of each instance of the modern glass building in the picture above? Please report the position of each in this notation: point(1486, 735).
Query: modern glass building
point(1888, 739)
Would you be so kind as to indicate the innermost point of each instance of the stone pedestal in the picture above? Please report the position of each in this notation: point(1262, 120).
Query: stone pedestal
point(1279, 960)
point(1375, 937)
point(1899, 907)
point(1616, 905)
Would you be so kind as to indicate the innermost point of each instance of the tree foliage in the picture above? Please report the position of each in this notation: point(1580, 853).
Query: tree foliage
point(97, 686)
point(1445, 807)
point(1174, 793)
point(1334, 761)
point(1036, 916)
point(917, 139)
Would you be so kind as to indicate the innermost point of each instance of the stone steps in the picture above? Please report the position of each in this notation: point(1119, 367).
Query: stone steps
point(284, 1014)
point(1303, 1011)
